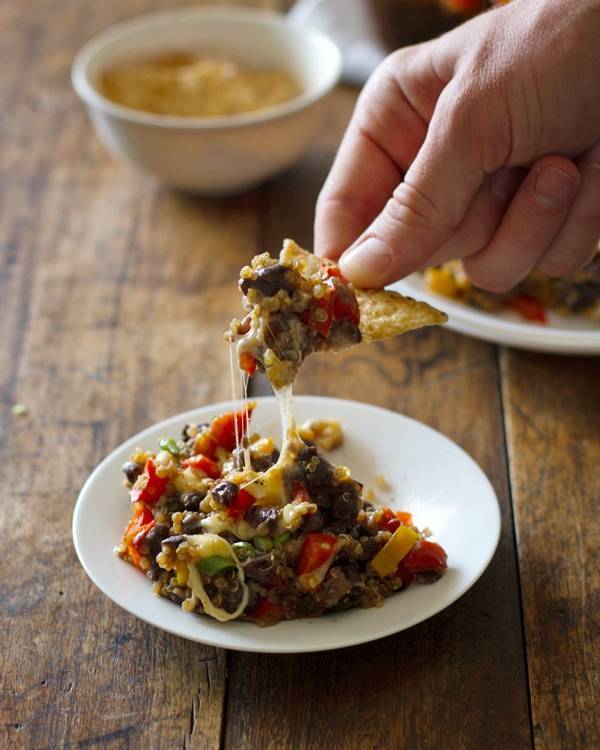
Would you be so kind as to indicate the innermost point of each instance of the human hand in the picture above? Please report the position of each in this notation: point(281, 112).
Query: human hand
point(483, 145)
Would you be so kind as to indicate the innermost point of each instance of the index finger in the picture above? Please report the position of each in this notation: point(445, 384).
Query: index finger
point(383, 137)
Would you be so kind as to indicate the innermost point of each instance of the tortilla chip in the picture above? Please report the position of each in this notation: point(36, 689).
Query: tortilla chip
point(384, 314)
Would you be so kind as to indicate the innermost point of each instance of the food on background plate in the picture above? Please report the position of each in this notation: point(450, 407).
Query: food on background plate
point(300, 304)
point(225, 529)
point(186, 85)
point(578, 294)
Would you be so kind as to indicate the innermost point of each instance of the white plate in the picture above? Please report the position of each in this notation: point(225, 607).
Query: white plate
point(561, 335)
point(433, 478)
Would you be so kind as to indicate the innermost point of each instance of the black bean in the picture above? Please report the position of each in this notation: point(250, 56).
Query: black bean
point(339, 526)
point(346, 501)
point(174, 597)
point(191, 522)
point(174, 503)
point(192, 500)
point(269, 280)
point(155, 537)
point(259, 568)
point(175, 541)
point(259, 514)
point(132, 470)
point(225, 492)
point(265, 461)
point(154, 571)
point(313, 522)
point(318, 471)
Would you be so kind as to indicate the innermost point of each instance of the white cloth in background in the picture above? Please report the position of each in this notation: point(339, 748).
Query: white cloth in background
point(351, 26)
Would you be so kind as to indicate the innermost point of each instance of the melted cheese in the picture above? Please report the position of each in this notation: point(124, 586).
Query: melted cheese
point(206, 545)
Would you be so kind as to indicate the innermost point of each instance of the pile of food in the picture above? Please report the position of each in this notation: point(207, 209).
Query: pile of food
point(300, 304)
point(578, 294)
point(264, 542)
point(228, 526)
point(186, 85)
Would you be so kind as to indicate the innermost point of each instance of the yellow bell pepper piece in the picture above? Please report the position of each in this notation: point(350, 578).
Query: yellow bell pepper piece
point(442, 281)
point(395, 550)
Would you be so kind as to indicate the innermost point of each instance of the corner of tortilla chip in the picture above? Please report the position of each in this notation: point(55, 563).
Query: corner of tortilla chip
point(384, 314)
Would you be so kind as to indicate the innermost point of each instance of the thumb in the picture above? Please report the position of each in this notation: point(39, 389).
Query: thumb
point(428, 206)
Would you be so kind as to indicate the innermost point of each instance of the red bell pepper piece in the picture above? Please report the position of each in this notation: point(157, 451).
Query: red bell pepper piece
point(140, 524)
point(243, 500)
point(299, 492)
point(319, 315)
point(529, 308)
point(267, 612)
point(426, 557)
point(248, 363)
point(223, 430)
point(390, 520)
point(209, 467)
point(149, 486)
point(345, 304)
point(332, 271)
point(405, 574)
point(316, 551)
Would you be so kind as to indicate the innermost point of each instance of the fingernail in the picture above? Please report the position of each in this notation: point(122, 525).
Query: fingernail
point(369, 260)
point(553, 187)
point(503, 184)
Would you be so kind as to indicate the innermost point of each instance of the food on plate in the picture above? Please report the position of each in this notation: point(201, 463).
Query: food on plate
point(225, 526)
point(229, 526)
point(187, 85)
point(578, 294)
point(300, 304)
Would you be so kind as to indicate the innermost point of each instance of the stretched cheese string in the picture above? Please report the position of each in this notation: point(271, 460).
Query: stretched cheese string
point(233, 391)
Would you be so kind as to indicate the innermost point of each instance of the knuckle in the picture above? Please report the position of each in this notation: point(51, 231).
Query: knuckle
point(410, 207)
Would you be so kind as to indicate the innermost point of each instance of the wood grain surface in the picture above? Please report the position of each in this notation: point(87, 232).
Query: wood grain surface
point(114, 294)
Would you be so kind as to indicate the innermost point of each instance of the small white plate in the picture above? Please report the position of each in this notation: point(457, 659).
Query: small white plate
point(561, 335)
point(432, 477)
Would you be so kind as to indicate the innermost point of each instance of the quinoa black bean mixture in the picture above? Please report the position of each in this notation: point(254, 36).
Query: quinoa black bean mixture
point(578, 294)
point(226, 526)
point(268, 540)
point(299, 304)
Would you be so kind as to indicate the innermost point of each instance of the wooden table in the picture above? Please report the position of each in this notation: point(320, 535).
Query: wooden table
point(114, 294)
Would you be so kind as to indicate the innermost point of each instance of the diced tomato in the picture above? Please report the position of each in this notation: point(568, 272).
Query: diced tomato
point(223, 428)
point(319, 315)
point(316, 551)
point(209, 467)
point(390, 520)
point(148, 486)
point(248, 363)
point(267, 612)
point(345, 304)
point(333, 271)
point(426, 557)
point(300, 493)
point(243, 500)
point(529, 308)
point(140, 524)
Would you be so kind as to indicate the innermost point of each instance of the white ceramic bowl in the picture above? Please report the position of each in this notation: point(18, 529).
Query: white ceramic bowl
point(211, 155)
